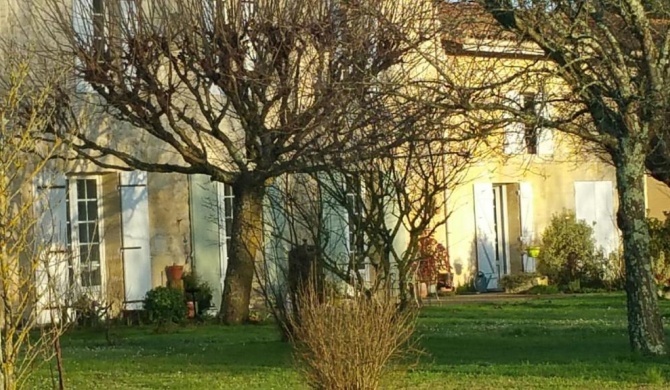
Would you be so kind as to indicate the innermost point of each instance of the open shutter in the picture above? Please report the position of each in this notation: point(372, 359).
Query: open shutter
point(135, 248)
point(605, 230)
point(335, 225)
point(485, 233)
point(209, 14)
point(527, 227)
point(129, 16)
point(526, 212)
point(82, 26)
point(248, 11)
point(514, 130)
point(130, 23)
point(585, 202)
point(545, 136)
point(275, 221)
point(51, 272)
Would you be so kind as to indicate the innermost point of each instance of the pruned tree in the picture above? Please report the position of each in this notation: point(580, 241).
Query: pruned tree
point(31, 263)
point(609, 60)
point(243, 91)
point(390, 206)
point(363, 223)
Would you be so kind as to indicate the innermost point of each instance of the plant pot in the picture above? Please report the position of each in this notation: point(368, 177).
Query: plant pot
point(190, 305)
point(174, 273)
point(534, 251)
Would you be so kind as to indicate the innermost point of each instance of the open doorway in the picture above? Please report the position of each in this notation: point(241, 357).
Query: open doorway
point(499, 211)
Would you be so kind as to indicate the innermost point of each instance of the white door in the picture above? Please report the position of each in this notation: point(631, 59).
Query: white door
point(485, 232)
point(594, 204)
point(135, 235)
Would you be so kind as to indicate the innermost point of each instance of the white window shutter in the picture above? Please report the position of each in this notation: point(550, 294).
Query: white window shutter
point(248, 11)
point(605, 230)
point(526, 212)
point(82, 27)
point(485, 233)
point(136, 250)
point(129, 16)
point(82, 20)
point(514, 130)
point(527, 222)
point(545, 136)
point(209, 14)
point(51, 272)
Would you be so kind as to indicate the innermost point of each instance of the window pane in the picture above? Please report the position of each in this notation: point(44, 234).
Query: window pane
point(81, 189)
point(90, 254)
point(84, 233)
point(91, 189)
point(97, 6)
point(92, 210)
point(229, 207)
point(93, 230)
point(81, 209)
point(90, 277)
point(229, 227)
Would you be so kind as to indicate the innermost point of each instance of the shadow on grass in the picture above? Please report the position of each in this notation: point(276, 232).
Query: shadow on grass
point(236, 350)
point(567, 337)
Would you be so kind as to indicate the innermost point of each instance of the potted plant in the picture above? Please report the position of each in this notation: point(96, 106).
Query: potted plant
point(174, 273)
point(533, 248)
point(433, 265)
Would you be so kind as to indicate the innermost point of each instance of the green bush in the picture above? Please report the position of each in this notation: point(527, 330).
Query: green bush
point(165, 305)
point(198, 290)
point(659, 232)
point(569, 256)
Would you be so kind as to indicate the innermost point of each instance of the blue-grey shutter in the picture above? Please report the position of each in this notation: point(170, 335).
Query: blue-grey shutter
point(335, 223)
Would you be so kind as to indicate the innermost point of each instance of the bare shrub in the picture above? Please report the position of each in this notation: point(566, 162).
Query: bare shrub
point(349, 343)
point(32, 294)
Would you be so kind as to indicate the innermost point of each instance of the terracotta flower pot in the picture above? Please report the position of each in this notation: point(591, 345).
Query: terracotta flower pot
point(190, 305)
point(174, 273)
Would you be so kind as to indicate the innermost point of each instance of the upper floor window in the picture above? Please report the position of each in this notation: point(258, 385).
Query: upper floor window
point(523, 132)
point(530, 109)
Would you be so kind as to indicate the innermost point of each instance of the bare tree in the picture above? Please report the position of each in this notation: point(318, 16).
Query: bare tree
point(31, 263)
point(610, 58)
point(242, 91)
point(360, 225)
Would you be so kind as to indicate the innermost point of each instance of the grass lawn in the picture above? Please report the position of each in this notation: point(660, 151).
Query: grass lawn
point(569, 342)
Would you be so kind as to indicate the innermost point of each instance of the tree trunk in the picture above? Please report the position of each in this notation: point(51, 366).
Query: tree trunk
point(645, 328)
point(246, 241)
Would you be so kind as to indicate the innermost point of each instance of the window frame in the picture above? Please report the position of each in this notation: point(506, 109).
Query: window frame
point(74, 241)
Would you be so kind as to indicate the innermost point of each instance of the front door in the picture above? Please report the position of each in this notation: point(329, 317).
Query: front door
point(491, 231)
point(501, 229)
